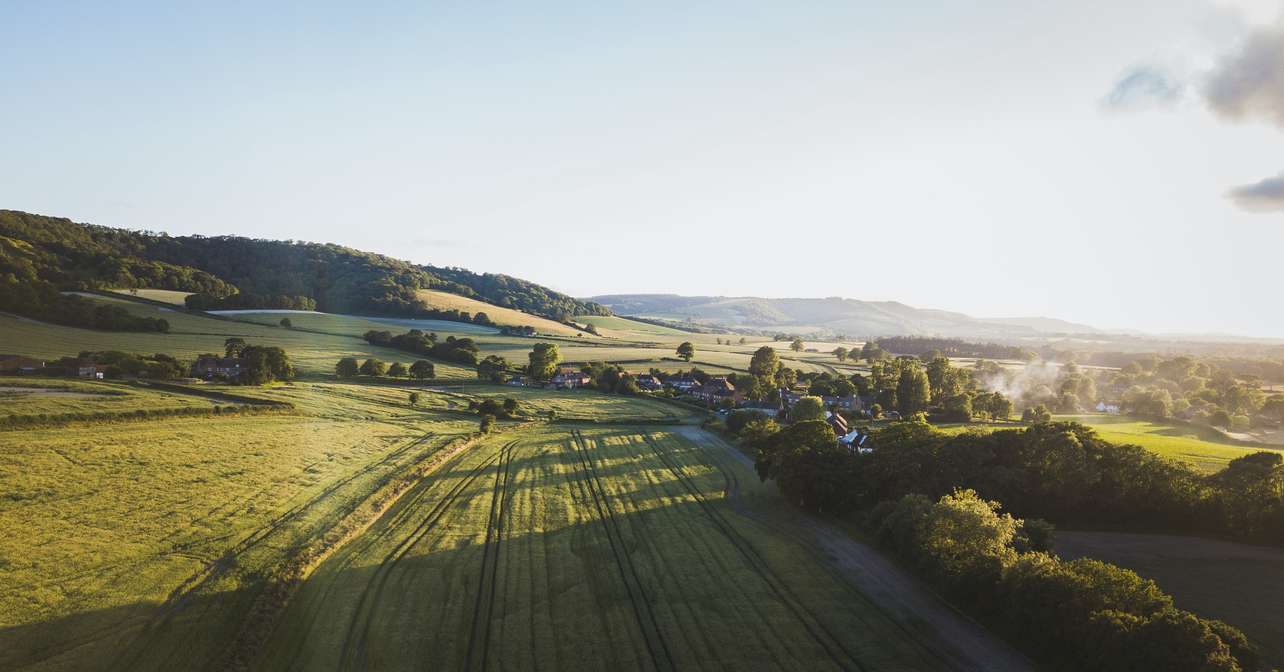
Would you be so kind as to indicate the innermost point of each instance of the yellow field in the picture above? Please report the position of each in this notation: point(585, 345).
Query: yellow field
point(501, 316)
point(165, 295)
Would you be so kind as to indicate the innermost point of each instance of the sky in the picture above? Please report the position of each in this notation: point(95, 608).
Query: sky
point(1115, 163)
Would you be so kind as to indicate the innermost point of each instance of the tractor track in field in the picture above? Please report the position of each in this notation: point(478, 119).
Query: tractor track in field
point(212, 571)
point(653, 638)
point(951, 638)
point(490, 560)
point(826, 639)
point(354, 643)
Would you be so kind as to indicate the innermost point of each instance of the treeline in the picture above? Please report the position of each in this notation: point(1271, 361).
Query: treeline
point(57, 419)
point(459, 350)
point(1070, 615)
point(248, 301)
point(951, 347)
point(338, 279)
point(908, 484)
point(42, 301)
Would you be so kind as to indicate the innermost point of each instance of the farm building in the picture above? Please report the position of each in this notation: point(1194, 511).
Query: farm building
point(211, 366)
point(20, 364)
point(683, 384)
point(648, 382)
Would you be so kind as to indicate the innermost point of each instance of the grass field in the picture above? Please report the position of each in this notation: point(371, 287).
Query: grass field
point(501, 316)
point(192, 335)
point(164, 295)
point(1237, 583)
point(156, 537)
point(1202, 448)
point(603, 549)
point(34, 396)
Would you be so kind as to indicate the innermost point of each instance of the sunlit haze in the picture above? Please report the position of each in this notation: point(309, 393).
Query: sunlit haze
point(1072, 160)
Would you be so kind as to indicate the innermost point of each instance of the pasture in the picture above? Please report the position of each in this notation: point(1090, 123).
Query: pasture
point(157, 537)
point(1203, 448)
point(1237, 583)
point(626, 548)
point(27, 396)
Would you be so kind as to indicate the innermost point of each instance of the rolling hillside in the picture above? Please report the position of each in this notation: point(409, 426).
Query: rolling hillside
point(831, 315)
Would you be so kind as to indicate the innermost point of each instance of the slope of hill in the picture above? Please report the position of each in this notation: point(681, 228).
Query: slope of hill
point(68, 255)
point(831, 315)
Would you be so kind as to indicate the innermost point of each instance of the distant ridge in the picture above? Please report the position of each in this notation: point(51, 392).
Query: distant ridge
point(832, 315)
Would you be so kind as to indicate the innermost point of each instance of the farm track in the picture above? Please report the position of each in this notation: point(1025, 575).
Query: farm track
point(823, 637)
point(951, 638)
point(354, 644)
point(652, 636)
point(490, 559)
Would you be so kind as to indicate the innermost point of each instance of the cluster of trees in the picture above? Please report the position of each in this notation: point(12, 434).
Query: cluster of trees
point(336, 278)
point(117, 364)
point(459, 350)
point(931, 346)
point(936, 387)
point(41, 300)
point(238, 300)
point(260, 364)
point(350, 367)
point(1100, 616)
point(1183, 387)
point(522, 330)
point(491, 410)
point(919, 489)
point(1062, 472)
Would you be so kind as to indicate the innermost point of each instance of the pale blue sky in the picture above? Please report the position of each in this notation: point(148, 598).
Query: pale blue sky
point(940, 154)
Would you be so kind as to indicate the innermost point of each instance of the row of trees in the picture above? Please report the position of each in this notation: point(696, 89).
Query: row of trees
point(238, 300)
point(42, 301)
point(350, 367)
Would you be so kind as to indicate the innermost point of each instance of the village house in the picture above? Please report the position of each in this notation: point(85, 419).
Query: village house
point(684, 384)
point(648, 383)
point(850, 402)
point(716, 390)
point(20, 364)
point(86, 369)
point(837, 423)
point(1111, 409)
point(212, 366)
point(569, 379)
point(516, 381)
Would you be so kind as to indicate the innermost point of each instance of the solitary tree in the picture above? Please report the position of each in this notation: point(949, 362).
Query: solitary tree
point(422, 369)
point(686, 351)
point(414, 398)
point(510, 406)
point(397, 370)
point(487, 424)
point(373, 367)
point(285, 322)
point(543, 361)
point(913, 391)
point(841, 353)
point(796, 345)
point(232, 347)
point(347, 367)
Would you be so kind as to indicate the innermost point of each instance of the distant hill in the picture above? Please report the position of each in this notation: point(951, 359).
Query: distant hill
point(60, 253)
point(832, 315)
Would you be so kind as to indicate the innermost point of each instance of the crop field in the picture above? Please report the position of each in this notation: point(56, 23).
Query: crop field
point(603, 549)
point(1237, 583)
point(192, 335)
point(157, 537)
point(498, 315)
point(35, 396)
point(1202, 448)
point(567, 404)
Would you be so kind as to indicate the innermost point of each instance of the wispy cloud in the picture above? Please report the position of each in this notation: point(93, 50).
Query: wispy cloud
point(1248, 83)
point(1144, 87)
point(1263, 196)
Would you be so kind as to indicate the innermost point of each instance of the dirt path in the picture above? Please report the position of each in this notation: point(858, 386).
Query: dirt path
point(958, 641)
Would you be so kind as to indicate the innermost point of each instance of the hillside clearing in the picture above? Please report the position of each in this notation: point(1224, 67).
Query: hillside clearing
point(507, 317)
point(1200, 447)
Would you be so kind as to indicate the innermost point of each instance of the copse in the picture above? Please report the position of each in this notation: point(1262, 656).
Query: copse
point(347, 367)
point(422, 369)
point(373, 367)
point(397, 370)
point(686, 351)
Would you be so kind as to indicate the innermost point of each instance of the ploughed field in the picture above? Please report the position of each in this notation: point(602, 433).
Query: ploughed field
point(601, 548)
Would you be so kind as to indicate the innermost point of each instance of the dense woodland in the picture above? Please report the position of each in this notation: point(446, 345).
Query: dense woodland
point(58, 253)
point(458, 350)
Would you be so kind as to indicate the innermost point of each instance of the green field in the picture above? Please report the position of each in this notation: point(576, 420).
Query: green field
point(28, 396)
point(1201, 447)
point(192, 335)
point(156, 537)
point(618, 549)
